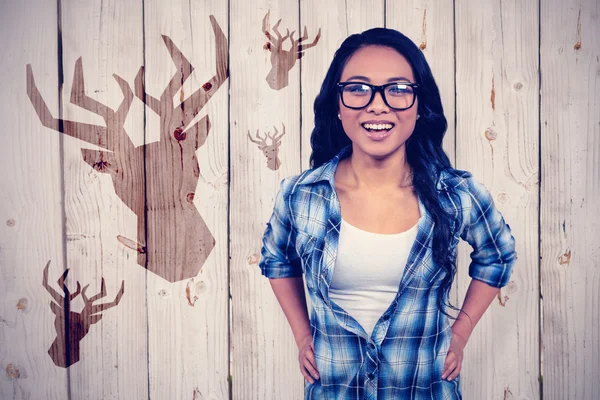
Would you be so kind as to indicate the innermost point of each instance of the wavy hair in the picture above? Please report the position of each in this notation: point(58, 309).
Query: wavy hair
point(424, 151)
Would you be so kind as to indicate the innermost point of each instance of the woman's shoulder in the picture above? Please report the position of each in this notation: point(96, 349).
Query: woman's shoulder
point(322, 173)
point(463, 184)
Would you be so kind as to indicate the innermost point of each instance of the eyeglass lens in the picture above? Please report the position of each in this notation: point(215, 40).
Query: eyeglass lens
point(359, 95)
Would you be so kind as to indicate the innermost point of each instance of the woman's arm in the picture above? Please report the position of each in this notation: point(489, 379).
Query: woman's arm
point(477, 300)
point(492, 260)
point(291, 297)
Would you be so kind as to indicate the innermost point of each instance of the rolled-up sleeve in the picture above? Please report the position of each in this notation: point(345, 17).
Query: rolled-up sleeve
point(279, 258)
point(493, 255)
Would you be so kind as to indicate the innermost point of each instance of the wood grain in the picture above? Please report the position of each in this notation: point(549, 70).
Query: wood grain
point(497, 99)
point(31, 227)
point(107, 37)
point(188, 319)
point(570, 197)
point(263, 352)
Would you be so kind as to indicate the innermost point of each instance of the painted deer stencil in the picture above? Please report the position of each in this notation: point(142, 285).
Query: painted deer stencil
point(157, 181)
point(71, 327)
point(282, 60)
point(271, 151)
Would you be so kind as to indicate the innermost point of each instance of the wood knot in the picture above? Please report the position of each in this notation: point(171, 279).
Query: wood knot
point(267, 46)
point(10, 222)
point(565, 258)
point(179, 134)
point(190, 197)
point(253, 259)
point(23, 304)
point(518, 86)
point(503, 198)
point(207, 86)
point(13, 371)
point(490, 134)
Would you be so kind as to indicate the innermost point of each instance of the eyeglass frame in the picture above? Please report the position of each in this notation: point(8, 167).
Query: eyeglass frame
point(378, 89)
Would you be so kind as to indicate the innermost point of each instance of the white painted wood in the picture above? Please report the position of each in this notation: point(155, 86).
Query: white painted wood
point(31, 230)
point(108, 38)
point(337, 20)
point(497, 140)
point(188, 319)
point(263, 352)
point(570, 132)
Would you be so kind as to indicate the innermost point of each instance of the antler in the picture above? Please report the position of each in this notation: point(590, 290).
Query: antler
point(194, 103)
point(95, 308)
point(280, 39)
point(298, 48)
point(276, 139)
point(86, 132)
point(262, 142)
point(61, 282)
point(94, 134)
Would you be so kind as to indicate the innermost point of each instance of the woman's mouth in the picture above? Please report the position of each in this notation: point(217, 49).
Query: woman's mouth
point(377, 131)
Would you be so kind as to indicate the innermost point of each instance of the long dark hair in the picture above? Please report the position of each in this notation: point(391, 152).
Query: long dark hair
point(423, 149)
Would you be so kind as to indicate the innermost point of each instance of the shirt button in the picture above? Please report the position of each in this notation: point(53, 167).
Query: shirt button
point(371, 376)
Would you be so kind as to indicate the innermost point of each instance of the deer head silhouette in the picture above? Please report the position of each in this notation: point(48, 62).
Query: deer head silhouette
point(70, 326)
point(282, 60)
point(157, 181)
point(271, 151)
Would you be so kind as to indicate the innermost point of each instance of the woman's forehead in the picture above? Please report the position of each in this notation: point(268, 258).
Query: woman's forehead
point(377, 64)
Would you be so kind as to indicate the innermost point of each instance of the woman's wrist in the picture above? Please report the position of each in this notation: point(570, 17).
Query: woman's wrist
point(462, 329)
point(303, 338)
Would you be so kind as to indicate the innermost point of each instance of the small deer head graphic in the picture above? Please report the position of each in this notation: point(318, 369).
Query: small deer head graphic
point(271, 151)
point(70, 326)
point(282, 60)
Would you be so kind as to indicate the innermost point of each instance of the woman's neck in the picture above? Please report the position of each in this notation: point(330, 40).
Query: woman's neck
point(363, 171)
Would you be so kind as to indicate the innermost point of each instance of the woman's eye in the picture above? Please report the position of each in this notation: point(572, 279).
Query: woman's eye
point(398, 90)
point(357, 89)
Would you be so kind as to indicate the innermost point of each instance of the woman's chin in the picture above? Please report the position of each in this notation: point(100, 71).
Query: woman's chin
point(377, 150)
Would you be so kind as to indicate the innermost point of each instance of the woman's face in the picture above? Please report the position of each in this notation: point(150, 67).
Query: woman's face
point(377, 65)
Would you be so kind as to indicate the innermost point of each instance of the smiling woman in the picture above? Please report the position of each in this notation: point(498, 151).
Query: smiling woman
point(374, 226)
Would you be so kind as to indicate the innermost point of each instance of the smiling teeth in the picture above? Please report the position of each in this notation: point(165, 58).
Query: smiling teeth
point(378, 127)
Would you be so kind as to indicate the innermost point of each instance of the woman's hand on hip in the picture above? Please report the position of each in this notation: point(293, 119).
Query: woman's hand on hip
point(306, 358)
point(454, 358)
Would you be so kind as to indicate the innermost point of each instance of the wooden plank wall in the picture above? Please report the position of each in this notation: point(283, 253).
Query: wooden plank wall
point(519, 83)
point(497, 97)
point(570, 198)
point(106, 38)
point(31, 206)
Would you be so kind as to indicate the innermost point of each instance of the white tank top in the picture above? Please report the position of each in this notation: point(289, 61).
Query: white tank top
point(368, 270)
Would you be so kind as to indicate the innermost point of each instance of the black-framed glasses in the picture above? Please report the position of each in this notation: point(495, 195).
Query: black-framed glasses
point(397, 95)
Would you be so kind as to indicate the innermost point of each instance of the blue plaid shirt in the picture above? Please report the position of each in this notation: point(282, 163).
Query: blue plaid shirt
point(404, 356)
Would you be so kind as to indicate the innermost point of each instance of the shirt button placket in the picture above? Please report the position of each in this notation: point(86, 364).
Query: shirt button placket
point(371, 371)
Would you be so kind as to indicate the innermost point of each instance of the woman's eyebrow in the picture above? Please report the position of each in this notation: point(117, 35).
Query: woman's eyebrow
point(358, 78)
point(366, 79)
point(398, 78)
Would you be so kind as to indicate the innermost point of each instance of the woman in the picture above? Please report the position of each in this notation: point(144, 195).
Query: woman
point(373, 227)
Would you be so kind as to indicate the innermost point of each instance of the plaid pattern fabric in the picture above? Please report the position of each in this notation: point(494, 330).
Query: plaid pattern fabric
point(404, 356)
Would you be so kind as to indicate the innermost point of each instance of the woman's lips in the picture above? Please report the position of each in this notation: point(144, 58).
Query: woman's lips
point(377, 134)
